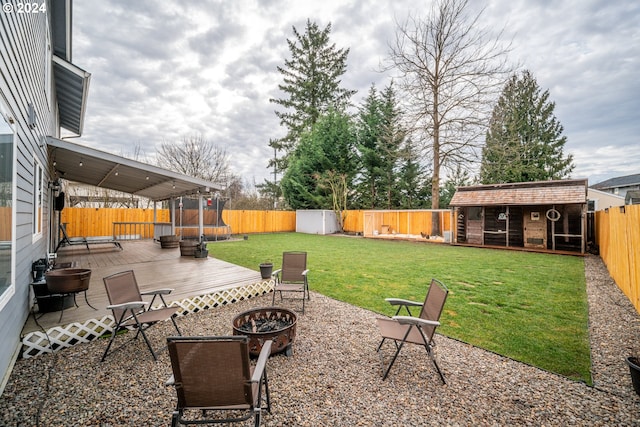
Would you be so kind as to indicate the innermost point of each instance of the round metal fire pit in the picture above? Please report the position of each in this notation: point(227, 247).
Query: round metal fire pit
point(267, 323)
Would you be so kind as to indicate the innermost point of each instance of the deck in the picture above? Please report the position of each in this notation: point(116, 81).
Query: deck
point(155, 268)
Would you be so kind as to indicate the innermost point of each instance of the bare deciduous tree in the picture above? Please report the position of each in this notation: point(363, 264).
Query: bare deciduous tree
point(450, 71)
point(195, 156)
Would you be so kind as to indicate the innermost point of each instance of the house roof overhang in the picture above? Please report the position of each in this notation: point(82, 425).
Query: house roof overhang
point(72, 88)
point(105, 170)
point(557, 192)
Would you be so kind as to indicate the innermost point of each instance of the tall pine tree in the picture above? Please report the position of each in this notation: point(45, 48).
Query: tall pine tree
point(412, 177)
point(323, 164)
point(392, 136)
point(311, 84)
point(524, 141)
point(380, 136)
point(369, 125)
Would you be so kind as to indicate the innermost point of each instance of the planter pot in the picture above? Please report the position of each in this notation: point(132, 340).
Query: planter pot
point(188, 247)
point(169, 242)
point(265, 270)
point(634, 369)
point(201, 253)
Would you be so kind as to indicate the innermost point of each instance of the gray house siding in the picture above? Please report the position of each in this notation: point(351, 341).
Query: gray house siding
point(25, 70)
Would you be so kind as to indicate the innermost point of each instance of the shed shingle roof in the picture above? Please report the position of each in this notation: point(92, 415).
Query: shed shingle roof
point(522, 193)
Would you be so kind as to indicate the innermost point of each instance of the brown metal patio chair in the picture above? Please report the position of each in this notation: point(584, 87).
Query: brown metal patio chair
point(292, 277)
point(414, 330)
point(214, 374)
point(130, 311)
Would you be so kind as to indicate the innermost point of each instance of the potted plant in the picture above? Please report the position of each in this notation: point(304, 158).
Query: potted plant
point(201, 250)
point(265, 269)
point(634, 369)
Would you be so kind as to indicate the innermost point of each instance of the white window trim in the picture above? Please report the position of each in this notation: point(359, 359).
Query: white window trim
point(37, 216)
point(7, 295)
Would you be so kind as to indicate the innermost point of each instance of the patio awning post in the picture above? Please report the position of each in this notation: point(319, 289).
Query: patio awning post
point(200, 216)
point(172, 210)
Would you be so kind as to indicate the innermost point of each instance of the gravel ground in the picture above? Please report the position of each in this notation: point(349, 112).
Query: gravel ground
point(334, 376)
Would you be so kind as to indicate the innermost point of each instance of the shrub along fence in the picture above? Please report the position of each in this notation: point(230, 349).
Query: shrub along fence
point(618, 237)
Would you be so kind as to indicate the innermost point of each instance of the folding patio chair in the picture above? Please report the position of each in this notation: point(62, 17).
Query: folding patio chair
point(415, 330)
point(130, 311)
point(292, 277)
point(215, 374)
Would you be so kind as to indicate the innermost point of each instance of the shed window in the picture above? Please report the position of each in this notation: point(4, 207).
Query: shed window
point(475, 213)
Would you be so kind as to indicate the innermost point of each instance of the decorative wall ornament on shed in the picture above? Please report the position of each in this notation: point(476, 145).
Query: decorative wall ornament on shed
point(553, 215)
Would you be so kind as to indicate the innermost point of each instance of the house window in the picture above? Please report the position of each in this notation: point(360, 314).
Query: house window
point(38, 179)
point(7, 192)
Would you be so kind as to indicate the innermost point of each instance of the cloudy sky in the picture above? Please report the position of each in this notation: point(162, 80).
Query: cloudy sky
point(162, 70)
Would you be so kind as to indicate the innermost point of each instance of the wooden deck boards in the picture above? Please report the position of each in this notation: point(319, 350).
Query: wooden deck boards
point(155, 268)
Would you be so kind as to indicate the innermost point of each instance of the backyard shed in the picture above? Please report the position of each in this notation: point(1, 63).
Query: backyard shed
point(317, 221)
point(545, 215)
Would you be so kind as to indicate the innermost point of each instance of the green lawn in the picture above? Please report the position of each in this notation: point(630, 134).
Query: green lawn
point(527, 306)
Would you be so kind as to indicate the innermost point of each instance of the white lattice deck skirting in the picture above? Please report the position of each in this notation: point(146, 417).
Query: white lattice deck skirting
point(39, 342)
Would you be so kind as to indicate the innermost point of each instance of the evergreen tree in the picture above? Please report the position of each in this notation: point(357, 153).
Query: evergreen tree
point(392, 136)
point(524, 141)
point(311, 83)
point(323, 163)
point(460, 178)
point(413, 183)
point(380, 136)
point(369, 127)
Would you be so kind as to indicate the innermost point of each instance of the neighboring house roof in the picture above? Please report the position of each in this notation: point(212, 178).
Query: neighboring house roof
point(619, 182)
point(522, 193)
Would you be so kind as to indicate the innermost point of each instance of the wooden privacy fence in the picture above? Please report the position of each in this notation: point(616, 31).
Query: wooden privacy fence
point(353, 221)
point(618, 236)
point(404, 222)
point(90, 222)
